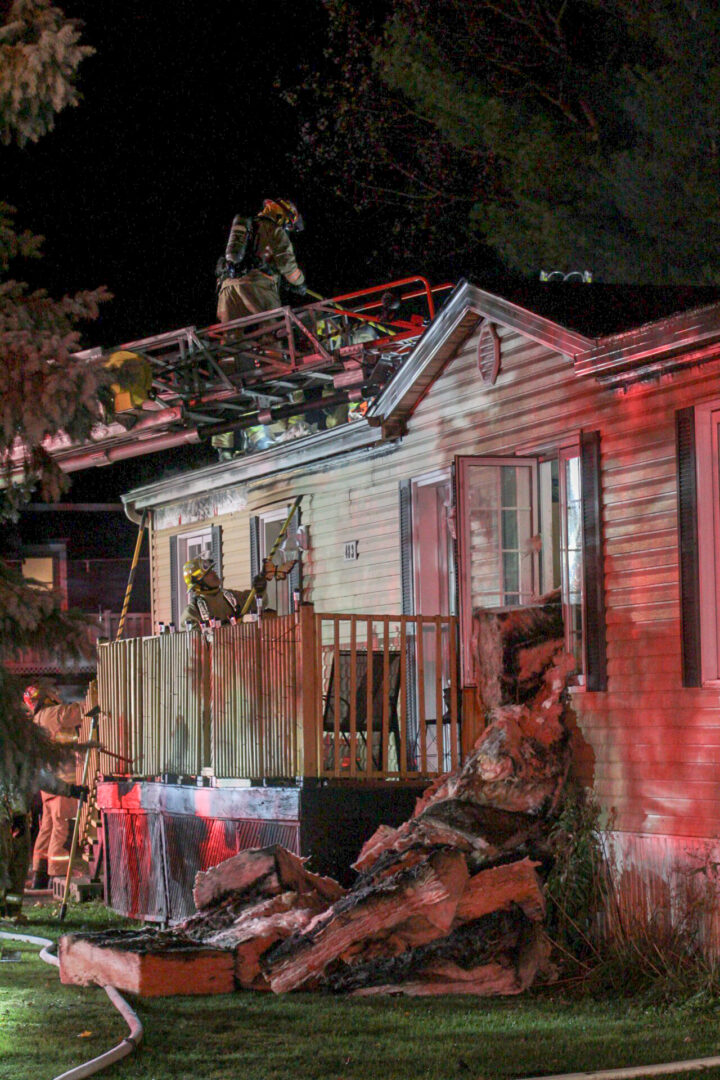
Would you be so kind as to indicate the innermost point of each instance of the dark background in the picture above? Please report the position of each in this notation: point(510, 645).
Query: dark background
point(182, 124)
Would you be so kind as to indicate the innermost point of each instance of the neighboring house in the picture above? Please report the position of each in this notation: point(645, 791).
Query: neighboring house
point(82, 552)
point(558, 436)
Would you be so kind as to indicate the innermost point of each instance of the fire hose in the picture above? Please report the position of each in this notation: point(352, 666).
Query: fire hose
point(116, 1053)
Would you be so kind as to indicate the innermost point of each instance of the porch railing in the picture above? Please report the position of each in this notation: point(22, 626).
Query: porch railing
point(313, 695)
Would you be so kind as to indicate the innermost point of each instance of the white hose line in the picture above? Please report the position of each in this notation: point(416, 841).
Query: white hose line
point(117, 1053)
point(692, 1065)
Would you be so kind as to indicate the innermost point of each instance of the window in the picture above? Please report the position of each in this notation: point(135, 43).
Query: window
point(205, 541)
point(46, 564)
point(528, 525)
point(427, 528)
point(264, 532)
point(698, 444)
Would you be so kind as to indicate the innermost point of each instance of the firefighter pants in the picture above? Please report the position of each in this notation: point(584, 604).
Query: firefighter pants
point(55, 835)
point(247, 296)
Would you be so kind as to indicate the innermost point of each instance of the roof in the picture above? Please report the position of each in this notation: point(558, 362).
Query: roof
point(612, 332)
point(597, 310)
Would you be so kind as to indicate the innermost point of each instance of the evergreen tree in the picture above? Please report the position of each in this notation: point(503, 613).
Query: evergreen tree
point(44, 390)
point(563, 136)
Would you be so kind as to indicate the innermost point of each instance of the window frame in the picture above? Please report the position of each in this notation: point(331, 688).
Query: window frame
point(461, 466)
point(179, 556)
point(56, 552)
point(584, 445)
point(259, 550)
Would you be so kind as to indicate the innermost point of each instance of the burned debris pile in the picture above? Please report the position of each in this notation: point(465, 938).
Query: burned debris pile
point(452, 900)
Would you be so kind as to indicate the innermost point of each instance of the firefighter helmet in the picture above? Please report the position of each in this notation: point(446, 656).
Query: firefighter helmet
point(35, 696)
point(284, 213)
point(195, 570)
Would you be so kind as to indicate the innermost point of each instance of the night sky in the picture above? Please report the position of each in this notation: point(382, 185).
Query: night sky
point(180, 127)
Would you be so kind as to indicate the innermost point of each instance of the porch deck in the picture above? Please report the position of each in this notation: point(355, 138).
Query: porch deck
point(307, 695)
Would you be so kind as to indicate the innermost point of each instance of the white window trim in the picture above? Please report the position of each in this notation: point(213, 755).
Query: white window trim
point(182, 541)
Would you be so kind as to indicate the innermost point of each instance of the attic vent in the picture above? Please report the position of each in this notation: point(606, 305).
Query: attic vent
point(488, 354)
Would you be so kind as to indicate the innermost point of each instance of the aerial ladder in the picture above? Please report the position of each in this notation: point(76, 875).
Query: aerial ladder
point(255, 370)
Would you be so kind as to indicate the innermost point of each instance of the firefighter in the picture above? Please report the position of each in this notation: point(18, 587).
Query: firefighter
point(61, 723)
point(259, 255)
point(208, 600)
point(15, 844)
point(259, 259)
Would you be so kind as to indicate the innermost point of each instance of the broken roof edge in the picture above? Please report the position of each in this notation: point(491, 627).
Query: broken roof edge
point(321, 446)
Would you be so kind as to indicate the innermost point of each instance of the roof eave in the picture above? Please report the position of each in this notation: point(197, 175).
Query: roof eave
point(322, 446)
point(668, 343)
point(464, 309)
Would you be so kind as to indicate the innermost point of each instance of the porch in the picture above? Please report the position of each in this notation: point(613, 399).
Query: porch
point(306, 695)
point(308, 730)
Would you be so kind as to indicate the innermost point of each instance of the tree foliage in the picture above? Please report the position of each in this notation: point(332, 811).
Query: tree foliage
point(45, 391)
point(563, 136)
point(39, 55)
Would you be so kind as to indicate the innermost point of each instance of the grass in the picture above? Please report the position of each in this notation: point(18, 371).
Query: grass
point(46, 1028)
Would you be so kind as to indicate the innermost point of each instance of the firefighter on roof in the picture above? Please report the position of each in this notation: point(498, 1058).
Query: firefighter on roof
point(208, 600)
point(258, 257)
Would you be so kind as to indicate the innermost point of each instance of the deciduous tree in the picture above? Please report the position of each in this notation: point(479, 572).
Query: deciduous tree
point(559, 135)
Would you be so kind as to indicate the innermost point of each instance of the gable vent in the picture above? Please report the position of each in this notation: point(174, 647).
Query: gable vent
point(488, 354)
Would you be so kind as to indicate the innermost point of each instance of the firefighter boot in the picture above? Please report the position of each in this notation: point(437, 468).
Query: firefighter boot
point(40, 879)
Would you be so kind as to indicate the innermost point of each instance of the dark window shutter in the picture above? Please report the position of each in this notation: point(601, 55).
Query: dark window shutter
point(594, 578)
point(254, 547)
point(175, 610)
point(406, 552)
point(216, 548)
point(408, 608)
point(688, 546)
point(295, 578)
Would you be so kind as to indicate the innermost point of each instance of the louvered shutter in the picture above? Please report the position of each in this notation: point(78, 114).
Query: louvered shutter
point(688, 546)
point(175, 609)
point(216, 549)
point(593, 575)
point(406, 552)
point(254, 547)
point(408, 608)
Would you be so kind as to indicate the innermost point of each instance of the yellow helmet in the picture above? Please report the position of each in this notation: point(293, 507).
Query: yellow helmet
point(195, 570)
point(284, 213)
point(37, 696)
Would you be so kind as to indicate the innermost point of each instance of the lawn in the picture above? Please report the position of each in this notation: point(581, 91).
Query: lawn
point(46, 1028)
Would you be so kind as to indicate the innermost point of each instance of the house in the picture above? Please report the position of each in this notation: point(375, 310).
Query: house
point(82, 551)
point(555, 436)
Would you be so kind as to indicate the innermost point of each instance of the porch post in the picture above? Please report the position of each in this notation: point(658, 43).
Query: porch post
point(307, 693)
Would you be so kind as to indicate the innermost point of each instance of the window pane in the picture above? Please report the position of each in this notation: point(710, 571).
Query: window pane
point(500, 527)
point(511, 572)
point(572, 558)
point(41, 570)
point(509, 486)
point(510, 529)
point(549, 508)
